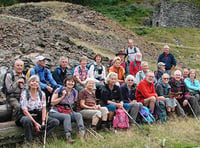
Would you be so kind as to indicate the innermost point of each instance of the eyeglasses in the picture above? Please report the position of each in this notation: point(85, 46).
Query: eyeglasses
point(130, 80)
point(166, 78)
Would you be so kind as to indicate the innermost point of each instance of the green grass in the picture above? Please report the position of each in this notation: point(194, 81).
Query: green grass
point(178, 133)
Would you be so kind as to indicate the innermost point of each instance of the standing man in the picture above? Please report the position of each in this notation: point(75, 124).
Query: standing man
point(61, 72)
point(47, 83)
point(167, 58)
point(14, 83)
point(131, 51)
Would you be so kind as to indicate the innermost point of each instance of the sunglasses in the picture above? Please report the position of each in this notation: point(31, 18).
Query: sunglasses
point(166, 78)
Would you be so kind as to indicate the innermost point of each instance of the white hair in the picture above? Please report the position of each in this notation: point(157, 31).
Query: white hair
point(33, 77)
point(109, 75)
point(89, 79)
point(129, 77)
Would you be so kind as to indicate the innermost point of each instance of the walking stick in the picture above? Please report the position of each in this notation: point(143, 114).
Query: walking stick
point(193, 111)
point(139, 127)
point(45, 131)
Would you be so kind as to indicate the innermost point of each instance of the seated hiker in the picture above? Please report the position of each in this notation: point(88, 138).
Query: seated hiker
point(81, 73)
point(97, 70)
point(163, 89)
point(167, 58)
point(185, 73)
point(63, 100)
point(160, 71)
point(45, 77)
point(14, 83)
point(135, 65)
point(141, 74)
point(184, 98)
point(128, 96)
point(117, 68)
point(89, 108)
point(111, 96)
point(60, 72)
point(193, 84)
point(145, 92)
point(131, 51)
point(33, 110)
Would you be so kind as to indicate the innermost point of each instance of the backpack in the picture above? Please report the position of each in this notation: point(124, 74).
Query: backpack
point(28, 74)
point(160, 111)
point(147, 117)
point(4, 89)
point(120, 120)
point(20, 113)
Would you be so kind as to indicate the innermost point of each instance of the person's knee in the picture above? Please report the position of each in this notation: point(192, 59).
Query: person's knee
point(153, 99)
point(126, 106)
point(78, 116)
point(26, 120)
point(97, 114)
point(111, 107)
point(55, 122)
point(104, 111)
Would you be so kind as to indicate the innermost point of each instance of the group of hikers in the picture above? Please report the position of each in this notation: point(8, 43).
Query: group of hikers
point(92, 92)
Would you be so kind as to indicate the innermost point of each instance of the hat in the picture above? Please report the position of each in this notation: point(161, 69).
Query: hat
point(121, 53)
point(161, 64)
point(39, 58)
point(166, 46)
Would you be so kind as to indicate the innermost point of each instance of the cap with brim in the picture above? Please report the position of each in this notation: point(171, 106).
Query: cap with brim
point(121, 53)
point(161, 64)
point(40, 58)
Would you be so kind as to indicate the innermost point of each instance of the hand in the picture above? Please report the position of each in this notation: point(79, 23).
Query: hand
point(50, 89)
point(134, 101)
point(64, 92)
point(98, 106)
point(37, 127)
point(119, 105)
point(185, 102)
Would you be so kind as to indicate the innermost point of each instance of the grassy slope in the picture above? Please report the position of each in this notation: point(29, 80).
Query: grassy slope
point(177, 133)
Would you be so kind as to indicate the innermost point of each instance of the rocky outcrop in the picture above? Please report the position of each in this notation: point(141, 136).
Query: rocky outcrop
point(176, 14)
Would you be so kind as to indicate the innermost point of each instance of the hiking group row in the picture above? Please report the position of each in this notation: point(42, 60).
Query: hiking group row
point(87, 92)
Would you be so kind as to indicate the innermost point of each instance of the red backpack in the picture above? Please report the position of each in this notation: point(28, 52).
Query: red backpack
point(120, 120)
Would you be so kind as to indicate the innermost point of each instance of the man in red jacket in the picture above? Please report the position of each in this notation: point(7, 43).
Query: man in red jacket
point(145, 92)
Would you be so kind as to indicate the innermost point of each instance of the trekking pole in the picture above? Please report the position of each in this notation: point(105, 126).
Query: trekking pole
point(193, 111)
point(45, 131)
point(133, 119)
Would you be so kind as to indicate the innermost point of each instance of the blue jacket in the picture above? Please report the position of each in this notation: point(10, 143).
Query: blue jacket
point(126, 95)
point(44, 75)
point(190, 85)
point(169, 62)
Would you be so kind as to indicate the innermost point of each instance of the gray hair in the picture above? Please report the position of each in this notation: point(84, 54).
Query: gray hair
point(144, 62)
point(109, 75)
point(89, 79)
point(177, 71)
point(61, 58)
point(18, 60)
point(83, 58)
point(129, 77)
point(33, 77)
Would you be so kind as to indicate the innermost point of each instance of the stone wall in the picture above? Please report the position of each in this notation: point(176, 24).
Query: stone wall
point(178, 14)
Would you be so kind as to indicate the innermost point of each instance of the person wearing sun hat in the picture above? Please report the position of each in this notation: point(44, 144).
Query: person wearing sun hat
point(124, 64)
point(167, 58)
point(45, 77)
point(160, 71)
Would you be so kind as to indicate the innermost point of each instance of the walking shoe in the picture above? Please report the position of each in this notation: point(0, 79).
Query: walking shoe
point(69, 140)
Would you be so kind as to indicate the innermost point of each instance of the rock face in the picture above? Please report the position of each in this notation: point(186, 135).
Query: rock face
point(176, 14)
point(56, 29)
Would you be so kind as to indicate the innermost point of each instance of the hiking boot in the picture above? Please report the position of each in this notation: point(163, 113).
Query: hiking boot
point(69, 140)
point(82, 135)
point(104, 128)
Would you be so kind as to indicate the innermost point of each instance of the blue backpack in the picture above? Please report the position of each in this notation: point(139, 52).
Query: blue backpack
point(147, 117)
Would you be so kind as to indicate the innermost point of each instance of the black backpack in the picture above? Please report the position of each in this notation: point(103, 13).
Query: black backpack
point(4, 89)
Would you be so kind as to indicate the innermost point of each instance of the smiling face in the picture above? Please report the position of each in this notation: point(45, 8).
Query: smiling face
point(19, 66)
point(117, 63)
point(192, 74)
point(34, 83)
point(41, 63)
point(130, 81)
point(83, 63)
point(177, 75)
point(70, 83)
point(98, 59)
point(90, 85)
point(165, 78)
point(112, 80)
point(150, 77)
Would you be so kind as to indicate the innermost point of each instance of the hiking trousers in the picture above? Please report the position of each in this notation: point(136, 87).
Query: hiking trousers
point(134, 109)
point(14, 103)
